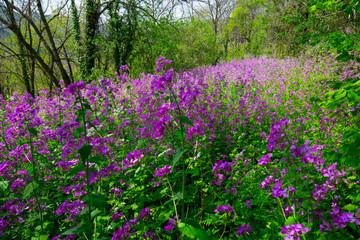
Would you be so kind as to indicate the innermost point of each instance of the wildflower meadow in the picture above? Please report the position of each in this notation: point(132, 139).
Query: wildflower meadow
point(258, 148)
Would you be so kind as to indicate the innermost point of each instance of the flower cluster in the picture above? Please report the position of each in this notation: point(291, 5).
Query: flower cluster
point(162, 171)
point(243, 229)
point(293, 232)
point(224, 208)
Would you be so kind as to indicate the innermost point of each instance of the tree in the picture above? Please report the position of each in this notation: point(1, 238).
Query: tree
point(247, 24)
point(48, 55)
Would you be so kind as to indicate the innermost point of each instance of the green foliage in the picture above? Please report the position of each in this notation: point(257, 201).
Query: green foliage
point(188, 43)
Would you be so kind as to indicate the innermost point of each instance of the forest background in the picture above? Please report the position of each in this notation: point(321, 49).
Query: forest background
point(42, 42)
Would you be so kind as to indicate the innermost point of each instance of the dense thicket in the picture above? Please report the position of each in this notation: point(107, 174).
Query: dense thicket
point(83, 39)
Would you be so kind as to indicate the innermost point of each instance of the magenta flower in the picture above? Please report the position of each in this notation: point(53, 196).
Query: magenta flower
point(243, 228)
point(133, 158)
point(265, 159)
point(224, 208)
point(162, 171)
point(293, 232)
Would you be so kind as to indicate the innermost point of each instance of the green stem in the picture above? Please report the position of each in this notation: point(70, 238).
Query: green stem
point(88, 190)
point(224, 227)
point(35, 179)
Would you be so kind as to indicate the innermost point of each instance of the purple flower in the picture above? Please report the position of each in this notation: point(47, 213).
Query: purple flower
point(117, 191)
point(133, 158)
point(171, 224)
point(74, 88)
point(17, 184)
point(149, 235)
point(222, 166)
point(248, 202)
point(143, 213)
point(224, 208)
point(122, 233)
point(278, 191)
point(243, 228)
point(73, 208)
point(293, 232)
point(162, 171)
point(276, 137)
point(265, 159)
point(117, 216)
point(160, 64)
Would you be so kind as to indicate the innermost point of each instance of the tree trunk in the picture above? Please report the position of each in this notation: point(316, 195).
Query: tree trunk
point(92, 21)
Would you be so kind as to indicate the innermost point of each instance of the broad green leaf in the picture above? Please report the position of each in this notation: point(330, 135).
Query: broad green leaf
point(350, 207)
point(194, 171)
point(177, 196)
point(179, 135)
point(29, 189)
point(95, 159)
point(95, 213)
point(353, 96)
point(192, 232)
point(75, 170)
point(179, 152)
point(87, 106)
point(4, 185)
point(79, 114)
point(354, 162)
point(81, 228)
point(44, 237)
point(33, 131)
point(339, 94)
point(312, 8)
point(290, 221)
point(78, 131)
point(185, 119)
point(96, 200)
point(85, 151)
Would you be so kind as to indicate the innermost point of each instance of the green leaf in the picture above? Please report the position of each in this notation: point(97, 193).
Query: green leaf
point(33, 131)
point(312, 8)
point(95, 213)
point(87, 106)
point(179, 134)
point(78, 131)
point(91, 125)
point(75, 170)
point(179, 152)
point(353, 162)
point(194, 171)
point(290, 221)
point(353, 96)
point(185, 119)
point(85, 151)
point(177, 196)
point(95, 159)
point(339, 94)
point(192, 232)
point(44, 237)
point(29, 189)
point(79, 114)
point(96, 200)
point(140, 144)
point(4, 185)
point(350, 207)
point(81, 228)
